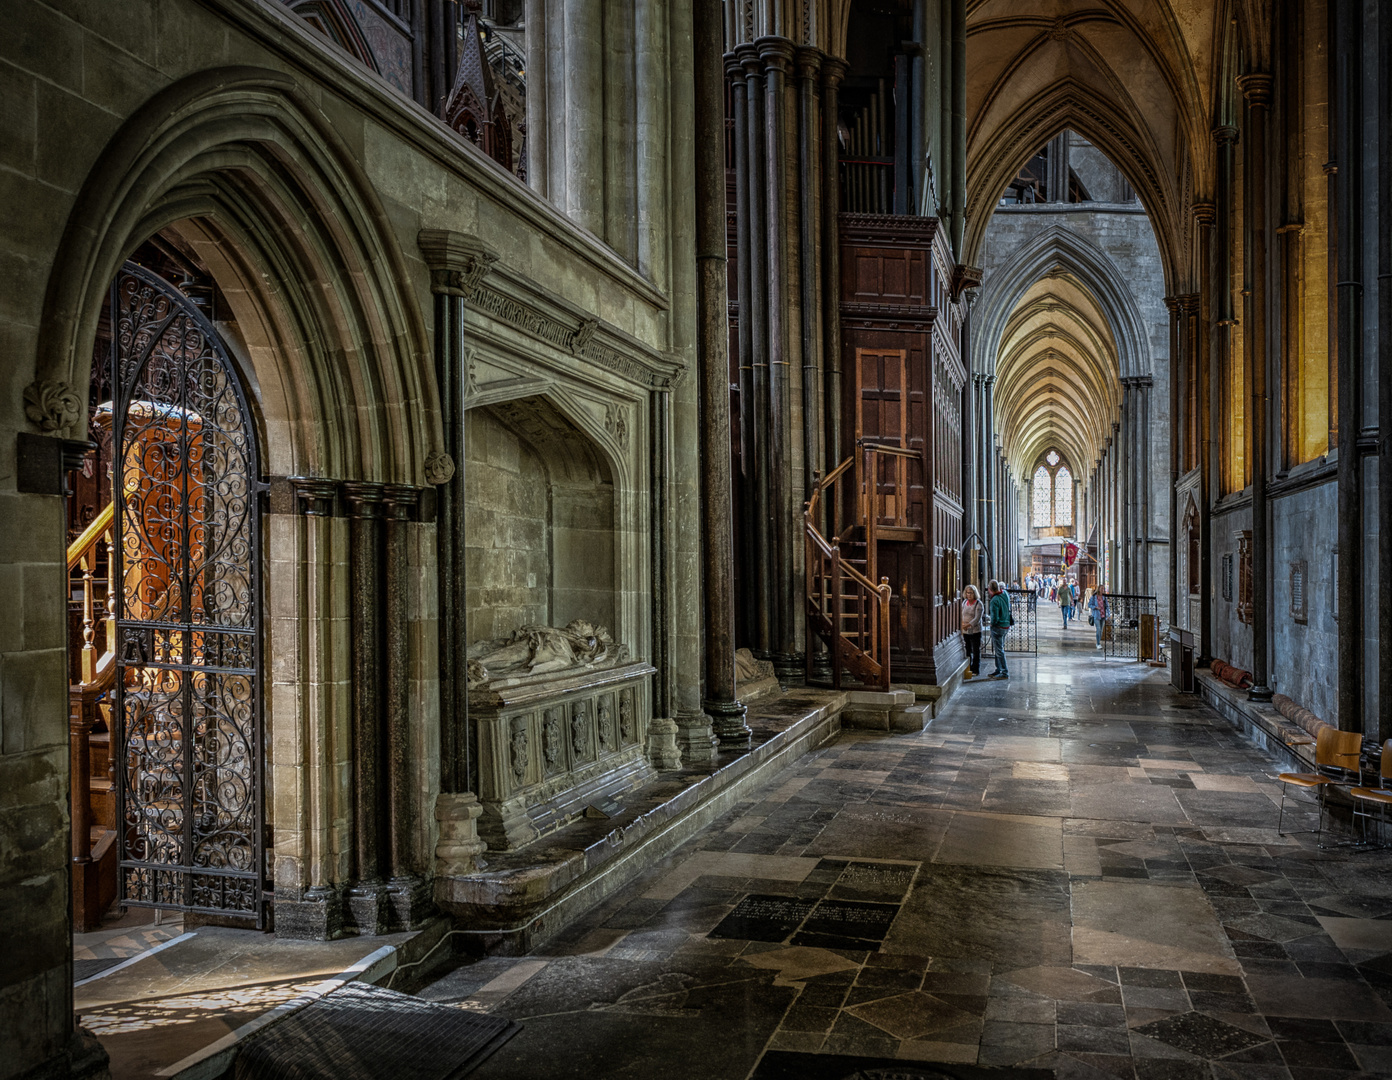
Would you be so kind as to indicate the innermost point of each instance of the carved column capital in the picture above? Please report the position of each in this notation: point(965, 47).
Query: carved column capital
point(314, 495)
point(1256, 88)
point(1205, 214)
point(833, 71)
point(776, 53)
point(458, 262)
point(734, 68)
point(1224, 135)
point(748, 58)
point(365, 499)
point(808, 61)
point(400, 501)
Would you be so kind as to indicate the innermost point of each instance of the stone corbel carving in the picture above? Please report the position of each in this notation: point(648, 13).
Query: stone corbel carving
point(519, 750)
point(459, 847)
point(458, 262)
point(439, 468)
point(51, 405)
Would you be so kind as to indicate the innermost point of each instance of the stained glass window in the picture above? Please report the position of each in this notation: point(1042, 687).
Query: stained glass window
point(1043, 498)
point(1053, 459)
point(1063, 496)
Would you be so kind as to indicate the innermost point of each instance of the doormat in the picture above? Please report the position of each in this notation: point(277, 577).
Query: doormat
point(85, 969)
point(791, 1065)
point(364, 1032)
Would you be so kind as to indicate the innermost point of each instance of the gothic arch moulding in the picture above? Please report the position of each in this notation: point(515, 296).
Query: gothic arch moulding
point(1070, 105)
point(1060, 250)
point(247, 172)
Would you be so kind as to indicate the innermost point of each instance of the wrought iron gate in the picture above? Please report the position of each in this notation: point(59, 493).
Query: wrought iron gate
point(186, 488)
point(1024, 634)
point(1132, 629)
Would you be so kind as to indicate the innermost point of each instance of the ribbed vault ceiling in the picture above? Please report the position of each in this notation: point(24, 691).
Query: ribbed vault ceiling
point(1137, 77)
point(1057, 377)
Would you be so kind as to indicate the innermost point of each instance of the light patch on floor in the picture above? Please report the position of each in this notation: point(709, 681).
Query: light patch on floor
point(1207, 782)
point(729, 864)
point(1371, 934)
point(1138, 924)
point(1039, 770)
point(798, 963)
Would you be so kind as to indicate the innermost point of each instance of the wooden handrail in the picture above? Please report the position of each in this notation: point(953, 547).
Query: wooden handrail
point(101, 525)
point(837, 591)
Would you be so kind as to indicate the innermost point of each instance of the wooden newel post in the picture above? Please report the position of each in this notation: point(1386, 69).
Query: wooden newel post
point(80, 759)
point(885, 594)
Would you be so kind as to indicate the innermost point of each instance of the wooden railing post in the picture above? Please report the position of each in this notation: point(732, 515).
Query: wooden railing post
point(80, 721)
point(885, 593)
point(89, 621)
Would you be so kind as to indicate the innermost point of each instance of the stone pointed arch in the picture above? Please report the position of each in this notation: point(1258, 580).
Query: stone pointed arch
point(1069, 104)
point(1055, 249)
point(250, 171)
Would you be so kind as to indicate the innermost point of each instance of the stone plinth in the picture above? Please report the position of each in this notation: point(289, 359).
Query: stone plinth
point(552, 745)
point(880, 710)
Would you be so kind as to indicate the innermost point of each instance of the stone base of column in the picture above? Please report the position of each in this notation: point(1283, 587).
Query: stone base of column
point(367, 908)
point(409, 902)
point(459, 847)
point(727, 723)
point(821, 665)
point(316, 916)
point(662, 744)
point(791, 668)
point(1259, 693)
point(695, 738)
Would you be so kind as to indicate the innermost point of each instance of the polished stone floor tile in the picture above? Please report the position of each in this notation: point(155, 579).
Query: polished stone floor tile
point(1076, 873)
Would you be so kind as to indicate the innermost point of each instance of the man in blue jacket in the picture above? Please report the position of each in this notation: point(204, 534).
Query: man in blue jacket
point(1001, 621)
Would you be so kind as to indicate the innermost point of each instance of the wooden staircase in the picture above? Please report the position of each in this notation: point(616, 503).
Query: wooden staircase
point(91, 680)
point(845, 607)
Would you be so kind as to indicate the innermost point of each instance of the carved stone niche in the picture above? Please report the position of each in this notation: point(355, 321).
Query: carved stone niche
point(552, 744)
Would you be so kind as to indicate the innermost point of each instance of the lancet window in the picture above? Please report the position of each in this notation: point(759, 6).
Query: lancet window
point(1051, 497)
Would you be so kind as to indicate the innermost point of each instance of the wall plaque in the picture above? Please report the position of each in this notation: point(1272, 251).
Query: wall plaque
point(1227, 575)
point(1298, 592)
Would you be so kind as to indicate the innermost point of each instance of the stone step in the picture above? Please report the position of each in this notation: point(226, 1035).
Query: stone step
point(518, 899)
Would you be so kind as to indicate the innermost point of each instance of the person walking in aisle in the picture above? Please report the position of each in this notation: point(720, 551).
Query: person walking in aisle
point(1097, 608)
point(1065, 602)
point(972, 610)
point(1001, 620)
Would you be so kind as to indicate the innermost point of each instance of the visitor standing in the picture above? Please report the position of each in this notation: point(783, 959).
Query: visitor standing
point(972, 610)
point(1000, 626)
point(1097, 608)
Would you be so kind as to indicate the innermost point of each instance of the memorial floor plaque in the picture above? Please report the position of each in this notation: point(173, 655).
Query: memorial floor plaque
point(883, 882)
point(764, 918)
point(846, 924)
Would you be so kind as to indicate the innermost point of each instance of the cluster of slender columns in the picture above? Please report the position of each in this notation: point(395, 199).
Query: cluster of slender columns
point(386, 885)
point(777, 326)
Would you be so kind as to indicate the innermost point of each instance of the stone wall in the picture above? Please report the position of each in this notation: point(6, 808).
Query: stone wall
point(302, 181)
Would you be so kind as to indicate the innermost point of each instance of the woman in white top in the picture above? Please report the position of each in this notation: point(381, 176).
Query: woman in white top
point(971, 628)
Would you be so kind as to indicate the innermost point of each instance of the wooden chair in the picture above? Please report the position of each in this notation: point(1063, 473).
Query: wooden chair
point(1336, 759)
point(1366, 798)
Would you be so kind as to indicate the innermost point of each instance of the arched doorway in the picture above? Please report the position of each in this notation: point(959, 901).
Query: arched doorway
point(174, 521)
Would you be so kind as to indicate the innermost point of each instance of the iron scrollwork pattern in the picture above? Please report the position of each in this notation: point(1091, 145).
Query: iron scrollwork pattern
point(186, 485)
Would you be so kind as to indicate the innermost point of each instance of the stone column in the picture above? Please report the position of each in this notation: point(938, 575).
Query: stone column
point(406, 894)
point(744, 483)
point(694, 735)
point(713, 336)
point(584, 113)
point(988, 461)
point(367, 896)
point(1256, 88)
point(458, 263)
point(538, 101)
point(756, 407)
point(1348, 135)
point(1204, 213)
point(1179, 364)
point(1144, 456)
point(833, 71)
point(809, 62)
point(777, 54)
point(1384, 437)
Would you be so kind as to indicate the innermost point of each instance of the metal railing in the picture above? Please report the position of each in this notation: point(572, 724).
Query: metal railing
point(1023, 636)
point(1132, 627)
